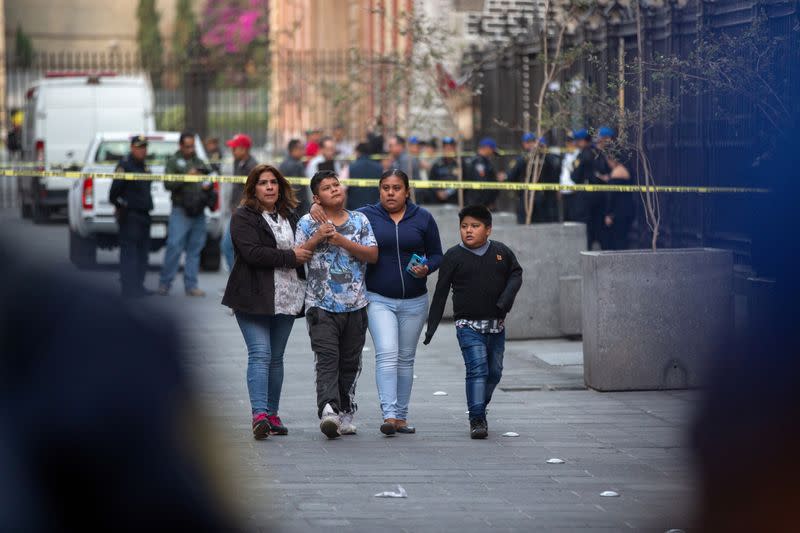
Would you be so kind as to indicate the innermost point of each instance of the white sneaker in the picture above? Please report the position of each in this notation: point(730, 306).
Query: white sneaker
point(330, 424)
point(346, 426)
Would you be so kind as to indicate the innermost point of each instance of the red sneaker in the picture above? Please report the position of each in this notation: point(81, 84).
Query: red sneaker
point(276, 427)
point(261, 426)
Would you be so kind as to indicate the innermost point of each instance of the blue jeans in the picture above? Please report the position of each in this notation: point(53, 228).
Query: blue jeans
point(483, 359)
point(395, 326)
point(184, 233)
point(266, 338)
point(227, 245)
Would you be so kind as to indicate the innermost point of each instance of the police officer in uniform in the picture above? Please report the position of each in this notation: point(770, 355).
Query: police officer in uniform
point(133, 202)
point(481, 168)
point(446, 169)
point(591, 167)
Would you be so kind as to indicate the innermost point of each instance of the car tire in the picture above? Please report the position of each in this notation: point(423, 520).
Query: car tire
point(82, 251)
point(211, 256)
point(40, 213)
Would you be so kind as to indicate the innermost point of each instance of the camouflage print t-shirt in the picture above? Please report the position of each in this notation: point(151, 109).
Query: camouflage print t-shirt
point(335, 279)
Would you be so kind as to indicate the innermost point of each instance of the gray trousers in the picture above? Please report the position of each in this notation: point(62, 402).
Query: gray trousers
point(337, 340)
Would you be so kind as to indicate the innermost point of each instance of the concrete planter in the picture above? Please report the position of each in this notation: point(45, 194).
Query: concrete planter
point(546, 252)
point(653, 320)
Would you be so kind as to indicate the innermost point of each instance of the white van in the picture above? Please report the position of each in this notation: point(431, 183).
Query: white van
point(63, 113)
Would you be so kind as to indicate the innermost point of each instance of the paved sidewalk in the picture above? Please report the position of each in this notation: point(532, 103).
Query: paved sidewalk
point(631, 443)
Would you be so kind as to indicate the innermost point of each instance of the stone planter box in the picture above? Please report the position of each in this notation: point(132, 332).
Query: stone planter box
point(546, 252)
point(654, 320)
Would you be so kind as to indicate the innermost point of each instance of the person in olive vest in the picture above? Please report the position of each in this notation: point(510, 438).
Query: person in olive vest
point(132, 202)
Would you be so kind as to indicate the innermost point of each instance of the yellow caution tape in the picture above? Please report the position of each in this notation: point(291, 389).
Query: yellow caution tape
point(419, 184)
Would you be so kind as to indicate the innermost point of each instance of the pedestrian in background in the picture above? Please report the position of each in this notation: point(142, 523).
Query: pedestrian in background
point(325, 159)
point(344, 148)
point(482, 168)
point(363, 168)
point(186, 231)
point(485, 277)
point(243, 163)
point(569, 199)
point(401, 159)
point(518, 170)
point(619, 212)
point(214, 153)
point(292, 167)
point(132, 203)
point(336, 300)
point(592, 169)
point(266, 288)
point(312, 147)
point(446, 169)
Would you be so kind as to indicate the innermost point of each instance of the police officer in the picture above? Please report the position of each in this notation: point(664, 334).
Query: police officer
point(133, 202)
point(518, 170)
point(481, 168)
point(446, 169)
point(591, 168)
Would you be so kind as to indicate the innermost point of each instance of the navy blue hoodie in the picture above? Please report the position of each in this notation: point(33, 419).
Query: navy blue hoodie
point(417, 233)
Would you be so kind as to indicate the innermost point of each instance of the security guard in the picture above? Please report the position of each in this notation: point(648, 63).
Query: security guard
point(518, 170)
point(591, 167)
point(446, 169)
point(481, 168)
point(133, 203)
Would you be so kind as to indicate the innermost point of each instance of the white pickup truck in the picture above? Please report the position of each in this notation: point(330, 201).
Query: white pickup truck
point(91, 216)
point(63, 112)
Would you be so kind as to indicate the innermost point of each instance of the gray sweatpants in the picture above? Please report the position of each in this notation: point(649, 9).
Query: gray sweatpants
point(337, 340)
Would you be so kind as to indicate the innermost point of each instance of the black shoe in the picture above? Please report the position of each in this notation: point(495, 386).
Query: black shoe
point(406, 429)
point(478, 428)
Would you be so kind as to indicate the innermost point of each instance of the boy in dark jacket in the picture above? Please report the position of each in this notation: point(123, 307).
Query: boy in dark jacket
point(485, 277)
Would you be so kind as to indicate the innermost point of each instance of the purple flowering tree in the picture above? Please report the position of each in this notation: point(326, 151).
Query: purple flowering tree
point(236, 34)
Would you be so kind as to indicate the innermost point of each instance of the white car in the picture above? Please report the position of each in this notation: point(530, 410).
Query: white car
point(63, 112)
point(91, 216)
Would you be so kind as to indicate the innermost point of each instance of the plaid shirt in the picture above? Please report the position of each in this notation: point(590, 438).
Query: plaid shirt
point(496, 325)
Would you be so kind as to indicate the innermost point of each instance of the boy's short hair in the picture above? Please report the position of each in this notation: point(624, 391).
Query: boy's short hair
point(478, 212)
point(319, 176)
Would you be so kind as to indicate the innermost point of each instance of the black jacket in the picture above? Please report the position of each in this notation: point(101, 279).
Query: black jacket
point(241, 168)
point(251, 285)
point(131, 194)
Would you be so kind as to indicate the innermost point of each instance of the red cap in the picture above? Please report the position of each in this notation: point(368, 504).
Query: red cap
point(240, 139)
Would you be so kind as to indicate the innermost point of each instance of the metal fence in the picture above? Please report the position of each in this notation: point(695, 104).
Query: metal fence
point(227, 109)
point(710, 140)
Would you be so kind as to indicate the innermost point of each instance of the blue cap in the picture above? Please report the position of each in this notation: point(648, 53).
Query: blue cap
point(528, 137)
point(542, 141)
point(606, 131)
point(413, 140)
point(448, 140)
point(581, 134)
point(488, 142)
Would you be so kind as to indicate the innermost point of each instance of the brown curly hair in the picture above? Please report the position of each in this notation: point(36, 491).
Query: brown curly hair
point(287, 200)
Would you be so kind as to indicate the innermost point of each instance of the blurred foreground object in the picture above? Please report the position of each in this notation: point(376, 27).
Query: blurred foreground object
point(97, 427)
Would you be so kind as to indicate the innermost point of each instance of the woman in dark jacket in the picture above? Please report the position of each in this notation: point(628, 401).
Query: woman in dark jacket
point(266, 287)
point(398, 296)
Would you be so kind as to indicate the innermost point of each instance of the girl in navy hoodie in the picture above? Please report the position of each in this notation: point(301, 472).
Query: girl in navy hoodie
point(398, 298)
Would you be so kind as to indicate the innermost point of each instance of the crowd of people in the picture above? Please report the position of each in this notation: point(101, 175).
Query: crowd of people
point(608, 216)
point(356, 259)
point(345, 270)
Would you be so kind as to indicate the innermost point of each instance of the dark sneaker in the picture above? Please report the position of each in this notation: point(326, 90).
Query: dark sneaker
point(276, 427)
point(260, 426)
point(478, 428)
